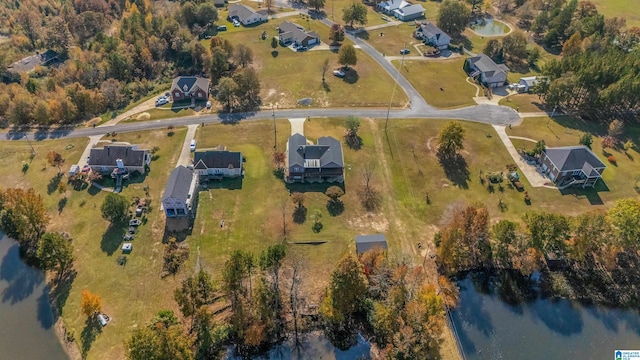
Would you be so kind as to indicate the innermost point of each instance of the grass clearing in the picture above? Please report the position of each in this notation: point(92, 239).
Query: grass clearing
point(523, 102)
point(333, 11)
point(159, 114)
point(393, 39)
point(626, 9)
point(293, 76)
point(441, 83)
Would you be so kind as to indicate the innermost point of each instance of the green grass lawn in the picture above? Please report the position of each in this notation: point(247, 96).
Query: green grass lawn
point(291, 76)
point(627, 9)
point(333, 11)
point(429, 77)
point(393, 40)
point(523, 102)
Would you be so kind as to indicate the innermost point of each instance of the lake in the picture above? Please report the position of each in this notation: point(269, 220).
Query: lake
point(539, 328)
point(26, 320)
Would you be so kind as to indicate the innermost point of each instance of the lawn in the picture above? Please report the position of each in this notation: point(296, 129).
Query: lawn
point(333, 11)
point(621, 180)
point(159, 114)
point(523, 102)
point(290, 76)
point(441, 83)
point(393, 40)
point(627, 9)
point(125, 290)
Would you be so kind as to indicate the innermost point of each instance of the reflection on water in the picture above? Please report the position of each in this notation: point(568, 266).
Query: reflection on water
point(315, 346)
point(26, 321)
point(490, 28)
point(535, 328)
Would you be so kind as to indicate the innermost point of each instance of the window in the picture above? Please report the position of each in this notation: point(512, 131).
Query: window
point(200, 95)
point(181, 212)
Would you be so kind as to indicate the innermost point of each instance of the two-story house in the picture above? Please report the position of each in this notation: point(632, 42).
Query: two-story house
point(314, 163)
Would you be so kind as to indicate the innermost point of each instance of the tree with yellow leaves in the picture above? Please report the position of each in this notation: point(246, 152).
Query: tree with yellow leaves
point(91, 303)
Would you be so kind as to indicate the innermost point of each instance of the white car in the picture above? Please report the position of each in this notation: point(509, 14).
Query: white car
point(236, 23)
point(339, 73)
point(192, 145)
point(161, 101)
point(208, 104)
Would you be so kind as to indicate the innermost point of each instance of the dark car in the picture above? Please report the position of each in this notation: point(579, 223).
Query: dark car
point(302, 48)
point(404, 51)
point(134, 222)
point(128, 237)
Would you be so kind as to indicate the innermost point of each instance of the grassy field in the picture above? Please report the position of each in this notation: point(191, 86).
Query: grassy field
point(620, 181)
point(523, 102)
point(627, 9)
point(393, 40)
point(125, 290)
point(159, 114)
point(333, 11)
point(441, 83)
point(292, 76)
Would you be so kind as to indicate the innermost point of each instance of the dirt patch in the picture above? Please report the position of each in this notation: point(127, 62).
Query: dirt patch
point(143, 116)
point(378, 222)
point(429, 145)
point(92, 122)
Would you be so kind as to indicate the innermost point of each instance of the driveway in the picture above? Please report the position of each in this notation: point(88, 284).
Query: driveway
point(93, 140)
point(297, 125)
point(185, 154)
point(143, 106)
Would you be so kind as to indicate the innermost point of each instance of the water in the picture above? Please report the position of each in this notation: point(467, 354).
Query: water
point(26, 321)
point(491, 28)
point(489, 328)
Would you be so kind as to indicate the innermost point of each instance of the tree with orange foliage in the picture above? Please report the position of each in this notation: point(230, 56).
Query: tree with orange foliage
point(90, 304)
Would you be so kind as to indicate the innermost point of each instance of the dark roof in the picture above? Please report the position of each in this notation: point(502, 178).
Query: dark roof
point(107, 156)
point(30, 62)
point(486, 65)
point(217, 159)
point(293, 30)
point(431, 30)
point(326, 154)
point(365, 243)
point(188, 84)
point(178, 184)
point(569, 158)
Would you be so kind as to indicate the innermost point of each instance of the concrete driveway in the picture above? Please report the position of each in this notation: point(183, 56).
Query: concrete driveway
point(185, 154)
point(142, 107)
point(93, 140)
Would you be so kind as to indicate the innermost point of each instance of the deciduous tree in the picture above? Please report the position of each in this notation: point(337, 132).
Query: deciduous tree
point(114, 208)
point(347, 56)
point(336, 33)
point(243, 55)
point(227, 92)
point(625, 219)
point(90, 304)
point(450, 139)
point(55, 252)
point(194, 293)
point(453, 17)
point(355, 13)
point(317, 4)
point(23, 218)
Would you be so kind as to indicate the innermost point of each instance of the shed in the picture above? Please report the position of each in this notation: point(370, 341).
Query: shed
point(365, 243)
point(74, 170)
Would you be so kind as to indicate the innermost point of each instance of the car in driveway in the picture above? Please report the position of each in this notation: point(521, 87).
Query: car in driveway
point(134, 222)
point(208, 104)
point(161, 101)
point(404, 51)
point(236, 23)
point(339, 73)
point(302, 48)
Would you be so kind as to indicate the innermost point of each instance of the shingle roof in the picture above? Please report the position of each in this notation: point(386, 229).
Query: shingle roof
point(411, 10)
point(326, 154)
point(188, 83)
point(431, 30)
point(295, 142)
point(333, 156)
point(30, 62)
point(486, 65)
point(178, 184)
point(240, 11)
point(107, 156)
point(570, 158)
point(365, 243)
point(292, 30)
point(217, 159)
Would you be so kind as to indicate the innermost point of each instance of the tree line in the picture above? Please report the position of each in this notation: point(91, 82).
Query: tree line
point(603, 244)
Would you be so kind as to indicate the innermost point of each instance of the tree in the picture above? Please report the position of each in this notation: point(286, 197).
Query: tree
point(625, 220)
point(274, 43)
point(514, 46)
point(206, 14)
point(55, 252)
point(30, 21)
point(538, 148)
point(248, 92)
point(55, 159)
point(227, 91)
point(547, 232)
point(504, 235)
point(586, 139)
point(316, 4)
point(616, 128)
point(219, 63)
point(347, 56)
point(90, 304)
point(58, 37)
point(334, 193)
point(298, 199)
point(23, 218)
point(194, 293)
point(369, 194)
point(114, 208)
point(476, 5)
point(355, 13)
point(493, 49)
point(346, 293)
point(453, 17)
point(243, 55)
point(162, 339)
point(573, 46)
point(113, 93)
point(351, 125)
point(271, 261)
point(317, 220)
point(450, 139)
point(533, 55)
point(336, 33)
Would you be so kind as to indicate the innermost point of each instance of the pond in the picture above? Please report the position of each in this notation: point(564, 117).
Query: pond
point(539, 328)
point(26, 321)
point(490, 27)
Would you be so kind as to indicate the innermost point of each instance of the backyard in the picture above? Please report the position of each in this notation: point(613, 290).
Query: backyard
point(523, 103)
point(394, 38)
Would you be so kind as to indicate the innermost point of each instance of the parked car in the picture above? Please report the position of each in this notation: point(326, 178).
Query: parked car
point(134, 222)
point(132, 230)
point(339, 73)
point(128, 237)
point(192, 146)
point(404, 51)
point(86, 168)
point(222, 28)
point(161, 101)
point(208, 104)
point(302, 48)
point(139, 210)
point(236, 23)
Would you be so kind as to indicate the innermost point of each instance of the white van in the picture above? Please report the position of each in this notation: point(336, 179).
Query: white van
point(192, 146)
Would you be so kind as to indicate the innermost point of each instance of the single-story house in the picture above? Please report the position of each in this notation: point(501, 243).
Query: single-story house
point(189, 88)
point(292, 33)
point(432, 35)
point(409, 13)
point(365, 243)
point(246, 15)
point(180, 194)
point(217, 164)
point(526, 83)
point(389, 6)
point(106, 159)
point(571, 165)
point(314, 163)
point(490, 73)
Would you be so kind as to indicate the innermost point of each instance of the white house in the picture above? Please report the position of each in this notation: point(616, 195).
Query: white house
point(246, 15)
point(432, 35)
point(389, 6)
point(409, 13)
point(105, 160)
point(527, 83)
point(217, 164)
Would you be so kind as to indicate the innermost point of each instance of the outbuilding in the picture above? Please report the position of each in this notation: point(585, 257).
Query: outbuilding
point(365, 243)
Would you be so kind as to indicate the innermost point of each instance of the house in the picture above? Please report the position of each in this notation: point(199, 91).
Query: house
point(314, 163)
point(189, 88)
point(126, 157)
point(291, 33)
point(246, 15)
point(432, 35)
point(217, 164)
point(180, 194)
point(490, 73)
point(571, 165)
point(388, 7)
point(409, 13)
point(219, 3)
point(365, 243)
point(29, 63)
point(526, 83)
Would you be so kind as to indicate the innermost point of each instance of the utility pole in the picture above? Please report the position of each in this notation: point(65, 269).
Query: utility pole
point(273, 112)
point(33, 151)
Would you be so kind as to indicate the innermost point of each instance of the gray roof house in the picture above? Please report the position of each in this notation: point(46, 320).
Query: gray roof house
point(105, 160)
point(391, 5)
point(292, 33)
point(432, 35)
point(571, 166)
point(365, 243)
point(190, 88)
point(409, 13)
point(314, 163)
point(180, 193)
point(217, 164)
point(526, 83)
point(490, 73)
point(246, 15)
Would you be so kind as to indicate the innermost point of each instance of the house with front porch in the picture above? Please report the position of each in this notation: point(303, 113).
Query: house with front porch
point(217, 164)
point(482, 68)
point(185, 88)
point(408, 13)
point(571, 166)
point(123, 156)
point(293, 34)
point(314, 163)
point(432, 35)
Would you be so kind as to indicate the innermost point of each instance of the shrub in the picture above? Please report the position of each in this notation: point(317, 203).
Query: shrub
point(586, 139)
point(609, 142)
point(612, 159)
